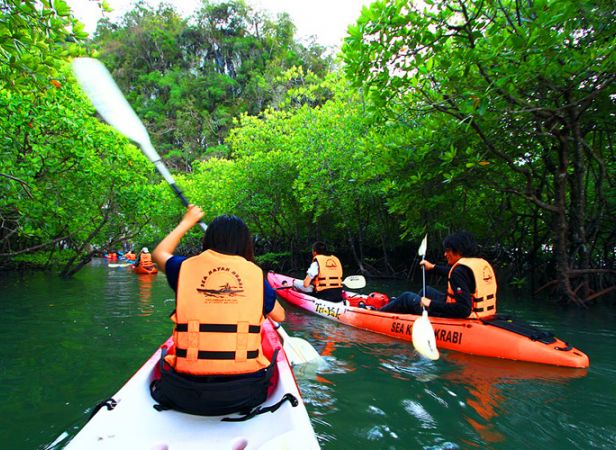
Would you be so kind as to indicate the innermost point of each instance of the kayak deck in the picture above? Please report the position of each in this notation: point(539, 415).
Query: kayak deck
point(134, 423)
point(473, 336)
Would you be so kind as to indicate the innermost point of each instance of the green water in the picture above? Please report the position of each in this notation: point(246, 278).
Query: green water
point(70, 344)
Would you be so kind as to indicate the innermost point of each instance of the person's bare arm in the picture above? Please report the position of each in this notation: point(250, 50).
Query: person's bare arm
point(278, 314)
point(164, 250)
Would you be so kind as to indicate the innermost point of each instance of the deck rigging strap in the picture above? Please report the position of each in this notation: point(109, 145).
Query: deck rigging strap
point(261, 410)
point(509, 323)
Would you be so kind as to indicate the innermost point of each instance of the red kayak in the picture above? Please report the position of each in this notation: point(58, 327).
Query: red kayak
point(499, 336)
point(147, 270)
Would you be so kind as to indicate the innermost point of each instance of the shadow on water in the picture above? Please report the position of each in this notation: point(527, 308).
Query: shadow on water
point(70, 344)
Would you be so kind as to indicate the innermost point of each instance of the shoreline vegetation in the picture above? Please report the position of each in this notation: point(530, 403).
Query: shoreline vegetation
point(492, 118)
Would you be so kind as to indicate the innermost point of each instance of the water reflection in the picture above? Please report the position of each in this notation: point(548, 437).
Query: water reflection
point(487, 380)
point(145, 283)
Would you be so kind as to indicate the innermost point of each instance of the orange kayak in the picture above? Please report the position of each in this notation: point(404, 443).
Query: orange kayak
point(149, 270)
point(498, 337)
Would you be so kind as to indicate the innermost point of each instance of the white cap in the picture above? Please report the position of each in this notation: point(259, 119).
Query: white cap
point(144, 250)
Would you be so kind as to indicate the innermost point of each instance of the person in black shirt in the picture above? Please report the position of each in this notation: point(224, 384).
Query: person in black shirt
point(458, 301)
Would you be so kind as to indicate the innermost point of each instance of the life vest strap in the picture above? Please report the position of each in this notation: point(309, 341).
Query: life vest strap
point(217, 328)
point(202, 354)
point(488, 297)
point(489, 308)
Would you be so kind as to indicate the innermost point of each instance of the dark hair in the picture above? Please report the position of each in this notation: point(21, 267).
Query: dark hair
point(319, 247)
point(228, 234)
point(461, 242)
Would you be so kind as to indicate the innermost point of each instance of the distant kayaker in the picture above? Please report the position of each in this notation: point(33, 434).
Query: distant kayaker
point(144, 259)
point(222, 298)
point(323, 277)
point(471, 284)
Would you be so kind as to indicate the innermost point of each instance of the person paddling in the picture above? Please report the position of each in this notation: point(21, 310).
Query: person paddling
point(144, 259)
point(222, 298)
point(471, 284)
point(324, 276)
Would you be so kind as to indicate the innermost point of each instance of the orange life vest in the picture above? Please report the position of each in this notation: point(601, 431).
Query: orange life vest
point(484, 297)
point(218, 317)
point(330, 273)
point(145, 260)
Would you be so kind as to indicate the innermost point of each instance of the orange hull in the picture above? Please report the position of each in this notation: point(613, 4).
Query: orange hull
point(473, 336)
point(145, 270)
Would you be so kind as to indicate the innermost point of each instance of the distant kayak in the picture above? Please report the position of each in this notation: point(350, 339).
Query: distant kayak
point(128, 420)
point(119, 265)
point(145, 270)
point(498, 337)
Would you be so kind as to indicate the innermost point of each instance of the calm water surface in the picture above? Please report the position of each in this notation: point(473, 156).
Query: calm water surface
point(70, 344)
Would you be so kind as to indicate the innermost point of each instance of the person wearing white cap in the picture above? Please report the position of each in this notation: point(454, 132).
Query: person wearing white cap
point(144, 259)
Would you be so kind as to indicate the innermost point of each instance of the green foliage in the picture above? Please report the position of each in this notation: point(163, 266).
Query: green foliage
point(272, 259)
point(189, 79)
point(35, 36)
point(492, 117)
point(500, 99)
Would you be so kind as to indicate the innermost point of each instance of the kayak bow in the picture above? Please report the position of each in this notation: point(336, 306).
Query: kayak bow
point(130, 421)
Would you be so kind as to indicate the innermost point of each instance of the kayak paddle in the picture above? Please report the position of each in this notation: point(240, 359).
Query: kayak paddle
point(105, 95)
point(299, 351)
point(424, 340)
point(352, 282)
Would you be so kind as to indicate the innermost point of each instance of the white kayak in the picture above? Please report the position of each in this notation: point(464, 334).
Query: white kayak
point(134, 424)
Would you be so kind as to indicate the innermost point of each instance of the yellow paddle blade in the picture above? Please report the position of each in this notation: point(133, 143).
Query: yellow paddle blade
point(424, 340)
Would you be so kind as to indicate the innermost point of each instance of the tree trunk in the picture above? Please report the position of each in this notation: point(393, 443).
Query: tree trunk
point(561, 228)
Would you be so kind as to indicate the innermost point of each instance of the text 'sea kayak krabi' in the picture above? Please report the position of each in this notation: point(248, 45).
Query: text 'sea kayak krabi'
point(128, 420)
point(500, 336)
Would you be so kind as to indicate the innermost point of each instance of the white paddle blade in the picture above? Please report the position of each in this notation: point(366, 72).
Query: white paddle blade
point(105, 95)
point(423, 247)
point(424, 340)
point(298, 350)
point(354, 282)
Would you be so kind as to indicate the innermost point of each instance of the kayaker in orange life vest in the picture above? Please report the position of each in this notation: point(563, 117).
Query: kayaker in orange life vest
point(222, 297)
point(144, 259)
point(471, 284)
point(323, 277)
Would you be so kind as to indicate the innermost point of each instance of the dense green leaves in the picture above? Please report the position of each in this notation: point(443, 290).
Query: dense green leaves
point(190, 78)
point(510, 97)
point(495, 117)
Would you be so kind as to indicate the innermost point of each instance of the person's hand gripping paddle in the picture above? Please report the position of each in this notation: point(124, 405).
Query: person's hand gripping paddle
point(424, 340)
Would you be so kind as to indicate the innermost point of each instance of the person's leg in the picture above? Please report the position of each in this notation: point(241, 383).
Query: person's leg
point(299, 285)
point(331, 295)
point(405, 303)
point(433, 294)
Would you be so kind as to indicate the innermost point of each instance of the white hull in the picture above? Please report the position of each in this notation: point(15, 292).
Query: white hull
point(134, 423)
